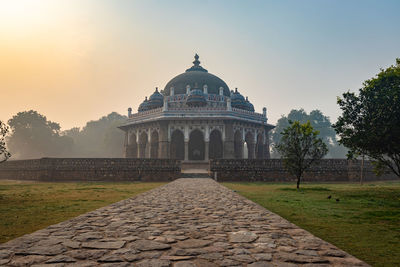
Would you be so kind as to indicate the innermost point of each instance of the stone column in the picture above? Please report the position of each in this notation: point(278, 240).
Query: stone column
point(267, 154)
point(126, 150)
point(186, 139)
point(206, 149)
point(163, 143)
point(229, 145)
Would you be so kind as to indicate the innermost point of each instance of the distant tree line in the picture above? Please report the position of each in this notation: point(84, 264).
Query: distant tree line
point(318, 121)
point(32, 135)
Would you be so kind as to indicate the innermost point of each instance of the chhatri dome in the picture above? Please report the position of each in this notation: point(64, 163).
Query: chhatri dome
point(196, 118)
point(196, 75)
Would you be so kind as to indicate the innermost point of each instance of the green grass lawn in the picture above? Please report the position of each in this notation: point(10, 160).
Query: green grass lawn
point(365, 222)
point(29, 206)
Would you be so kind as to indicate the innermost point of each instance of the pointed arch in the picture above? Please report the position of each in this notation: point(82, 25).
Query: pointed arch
point(249, 139)
point(177, 146)
point(143, 145)
point(132, 148)
point(196, 145)
point(215, 150)
point(238, 145)
point(260, 146)
point(154, 145)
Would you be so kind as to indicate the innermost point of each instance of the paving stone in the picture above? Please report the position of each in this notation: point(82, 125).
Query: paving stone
point(212, 256)
point(85, 237)
point(154, 263)
point(116, 264)
point(242, 237)
point(229, 262)
point(291, 257)
point(61, 259)
point(263, 256)
point(110, 258)
point(307, 252)
point(27, 260)
point(86, 254)
point(144, 245)
point(49, 265)
point(3, 262)
point(204, 263)
point(242, 258)
point(184, 264)
point(104, 245)
point(47, 250)
point(334, 253)
point(176, 258)
point(186, 223)
point(72, 244)
point(260, 264)
point(5, 254)
point(193, 243)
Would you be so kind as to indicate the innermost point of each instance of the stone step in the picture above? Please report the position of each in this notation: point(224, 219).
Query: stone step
point(194, 175)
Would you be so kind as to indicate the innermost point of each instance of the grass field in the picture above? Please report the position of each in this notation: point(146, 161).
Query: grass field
point(365, 222)
point(26, 206)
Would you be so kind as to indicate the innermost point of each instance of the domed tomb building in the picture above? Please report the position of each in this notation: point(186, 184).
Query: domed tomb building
point(196, 118)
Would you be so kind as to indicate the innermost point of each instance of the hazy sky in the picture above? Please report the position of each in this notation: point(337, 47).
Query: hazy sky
point(75, 61)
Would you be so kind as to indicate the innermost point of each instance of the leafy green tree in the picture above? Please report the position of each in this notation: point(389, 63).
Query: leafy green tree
point(300, 147)
point(33, 136)
point(99, 138)
point(319, 122)
point(370, 122)
point(4, 154)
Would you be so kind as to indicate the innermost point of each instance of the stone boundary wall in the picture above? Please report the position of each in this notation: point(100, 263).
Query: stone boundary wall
point(91, 169)
point(328, 170)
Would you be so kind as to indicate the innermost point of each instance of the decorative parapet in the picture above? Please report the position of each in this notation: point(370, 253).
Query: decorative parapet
point(198, 112)
point(146, 113)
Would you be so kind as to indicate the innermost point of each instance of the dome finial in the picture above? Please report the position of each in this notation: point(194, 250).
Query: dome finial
point(156, 89)
point(196, 65)
point(196, 61)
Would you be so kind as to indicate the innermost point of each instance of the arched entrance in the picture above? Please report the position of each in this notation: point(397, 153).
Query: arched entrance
point(196, 145)
point(215, 147)
point(131, 151)
point(154, 145)
point(177, 147)
point(249, 139)
point(260, 147)
point(143, 145)
point(238, 143)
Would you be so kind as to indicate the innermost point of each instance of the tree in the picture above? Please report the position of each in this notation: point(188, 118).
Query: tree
point(4, 154)
point(370, 122)
point(34, 136)
point(300, 147)
point(319, 122)
point(99, 138)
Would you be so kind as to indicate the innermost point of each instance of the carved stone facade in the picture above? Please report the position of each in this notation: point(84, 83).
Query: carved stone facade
point(196, 118)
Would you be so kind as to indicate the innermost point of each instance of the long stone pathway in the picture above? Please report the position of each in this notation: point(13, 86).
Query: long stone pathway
point(188, 222)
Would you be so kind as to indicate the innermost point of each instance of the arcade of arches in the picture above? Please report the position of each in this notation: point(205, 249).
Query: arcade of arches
point(197, 142)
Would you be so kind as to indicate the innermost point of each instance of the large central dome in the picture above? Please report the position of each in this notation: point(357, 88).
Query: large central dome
point(196, 76)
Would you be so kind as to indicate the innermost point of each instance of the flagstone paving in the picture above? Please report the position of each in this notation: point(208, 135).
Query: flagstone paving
point(188, 222)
